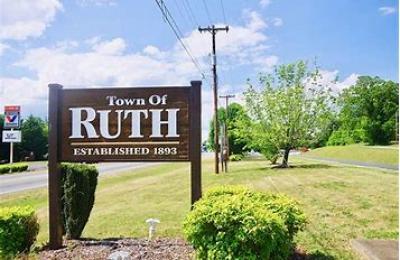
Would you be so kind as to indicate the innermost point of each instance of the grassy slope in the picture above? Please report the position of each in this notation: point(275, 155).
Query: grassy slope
point(389, 155)
point(341, 202)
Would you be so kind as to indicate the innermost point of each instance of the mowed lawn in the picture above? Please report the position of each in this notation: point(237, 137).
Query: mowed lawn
point(341, 202)
point(362, 153)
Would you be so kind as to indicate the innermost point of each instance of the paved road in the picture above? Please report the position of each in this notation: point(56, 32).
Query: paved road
point(355, 163)
point(30, 180)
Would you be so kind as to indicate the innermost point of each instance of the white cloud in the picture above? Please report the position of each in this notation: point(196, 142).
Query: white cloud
point(93, 40)
point(3, 47)
point(11, 90)
point(347, 82)
point(67, 45)
point(113, 47)
point(20, 19)
point(265, 3)
point(110, 63)
point(255, 21)
point(277, 21)
point(387, 10)
point(241, 45)
point(330, 79)
point(265, 64)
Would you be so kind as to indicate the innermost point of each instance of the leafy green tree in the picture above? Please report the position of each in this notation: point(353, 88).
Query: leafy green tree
point(368, 112)
point(236, 118)
point(290, 110)
point(34, 137)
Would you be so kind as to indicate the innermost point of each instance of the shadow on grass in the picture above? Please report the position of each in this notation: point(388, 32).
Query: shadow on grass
point(276, 168)
point(298, 255)
point(311, 166)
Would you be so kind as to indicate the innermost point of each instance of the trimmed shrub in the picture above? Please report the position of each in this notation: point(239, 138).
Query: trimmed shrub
point(19, 167)
point(18, 230)
point(16, 167)
point(79, 183)
point(288, 209)
point(232, 222)
point(4, 169)
point(235, 157)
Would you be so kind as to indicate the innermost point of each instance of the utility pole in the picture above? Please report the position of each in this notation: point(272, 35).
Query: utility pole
point(226, 138)
point(213, 30)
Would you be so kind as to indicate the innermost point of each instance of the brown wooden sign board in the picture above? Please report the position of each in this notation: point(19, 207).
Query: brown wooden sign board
point(125, 124)
point(121, 124)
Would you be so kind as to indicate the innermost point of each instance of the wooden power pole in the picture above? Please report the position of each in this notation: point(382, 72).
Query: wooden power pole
point(213, 30)
point(226, 138)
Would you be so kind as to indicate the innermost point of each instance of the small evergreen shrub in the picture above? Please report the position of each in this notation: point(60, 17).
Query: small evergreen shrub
point(4, 169)
point(79, 183)
point(232, 222)
point(16, 167)
point(18, 230)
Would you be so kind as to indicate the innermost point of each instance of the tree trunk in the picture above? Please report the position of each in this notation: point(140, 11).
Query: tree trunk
point(274, 159)
point(285, 159)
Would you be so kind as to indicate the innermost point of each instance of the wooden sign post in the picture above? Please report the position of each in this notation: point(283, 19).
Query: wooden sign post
point(155, 124)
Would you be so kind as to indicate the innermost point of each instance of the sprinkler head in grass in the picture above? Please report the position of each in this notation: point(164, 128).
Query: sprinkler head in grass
point(152, 226)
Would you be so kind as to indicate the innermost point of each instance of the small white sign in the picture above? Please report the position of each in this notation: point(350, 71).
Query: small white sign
point(11, 136)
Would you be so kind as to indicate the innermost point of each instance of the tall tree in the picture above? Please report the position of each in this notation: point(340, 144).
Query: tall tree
point(290, 110)
point(34, 132)
point(236, 118)
point(368, 112)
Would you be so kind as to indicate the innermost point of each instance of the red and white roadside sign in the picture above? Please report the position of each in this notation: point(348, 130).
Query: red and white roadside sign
point(12, 117)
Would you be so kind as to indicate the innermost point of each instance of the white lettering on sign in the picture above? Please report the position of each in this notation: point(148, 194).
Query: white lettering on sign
point(83, 118)
point(171, 122)
point(115, 101)
point(135, 121)
point(77, 122)
point(95, 151)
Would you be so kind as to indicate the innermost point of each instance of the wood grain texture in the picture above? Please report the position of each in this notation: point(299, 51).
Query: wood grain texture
point(177, 97)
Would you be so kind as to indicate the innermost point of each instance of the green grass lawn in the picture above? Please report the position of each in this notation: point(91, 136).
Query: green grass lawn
point(386, 155)
point(341, 202)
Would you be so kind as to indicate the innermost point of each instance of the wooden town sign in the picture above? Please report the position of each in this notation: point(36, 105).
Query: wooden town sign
point(125, 124)
point(121, 124)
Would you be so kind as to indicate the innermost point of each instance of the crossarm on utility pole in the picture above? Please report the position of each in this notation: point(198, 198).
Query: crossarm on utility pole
point(213, 30)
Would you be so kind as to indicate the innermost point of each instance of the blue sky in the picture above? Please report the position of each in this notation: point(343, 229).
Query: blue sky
point(124, 42)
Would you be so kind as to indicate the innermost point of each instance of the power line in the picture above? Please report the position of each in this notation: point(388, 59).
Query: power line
point(184, 16)
point(189, 10)
point(223, 10)
point(171, 22)
point(207, 11)
point(213, 30)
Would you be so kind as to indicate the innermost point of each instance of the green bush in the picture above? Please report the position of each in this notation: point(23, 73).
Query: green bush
point(18, 230)
point(16, 167)
point(4, 169)
point(235, 157)
point(79, 183)
point(232, 222)
point(288, 209)
point(19, 167)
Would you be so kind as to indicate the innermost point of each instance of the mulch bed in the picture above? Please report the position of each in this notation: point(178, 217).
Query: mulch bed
point(138, 249)
point(142, 249)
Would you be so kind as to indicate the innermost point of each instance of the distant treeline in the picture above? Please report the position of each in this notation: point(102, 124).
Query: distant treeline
point(34, 141)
